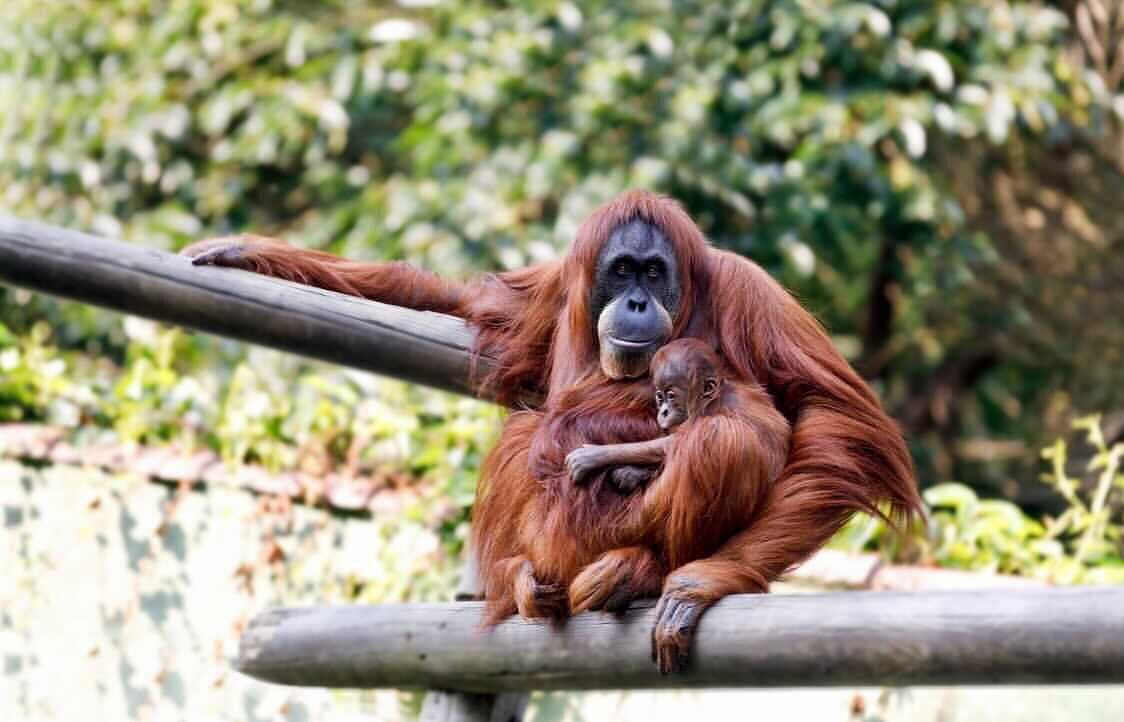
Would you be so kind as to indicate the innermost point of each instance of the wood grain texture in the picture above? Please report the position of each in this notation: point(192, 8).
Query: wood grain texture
point(426, 348)
point(453, 706)
point(1052, 635)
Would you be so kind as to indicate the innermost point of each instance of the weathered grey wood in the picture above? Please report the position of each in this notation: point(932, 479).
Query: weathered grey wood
point(1053, 635)
point(447, 706)
point(426, 348)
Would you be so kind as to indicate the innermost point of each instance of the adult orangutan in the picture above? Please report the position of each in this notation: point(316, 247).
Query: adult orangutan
point(580, 332)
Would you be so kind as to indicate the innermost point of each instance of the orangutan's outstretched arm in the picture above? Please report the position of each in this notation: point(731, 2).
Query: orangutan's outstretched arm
point(514, 313)
point(397, 283)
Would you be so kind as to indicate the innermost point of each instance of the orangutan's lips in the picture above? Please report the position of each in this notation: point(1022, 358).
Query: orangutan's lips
point(624, 343)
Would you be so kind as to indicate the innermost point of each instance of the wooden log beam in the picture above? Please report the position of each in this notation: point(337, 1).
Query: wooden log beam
point(452, 706)
point(1051, 635)
point(426, 348)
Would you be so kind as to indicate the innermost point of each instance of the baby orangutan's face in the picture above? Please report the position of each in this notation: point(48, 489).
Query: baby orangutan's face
point(671, 405)
point(676, 399)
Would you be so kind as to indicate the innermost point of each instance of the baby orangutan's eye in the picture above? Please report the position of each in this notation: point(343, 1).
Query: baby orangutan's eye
point(659, 397)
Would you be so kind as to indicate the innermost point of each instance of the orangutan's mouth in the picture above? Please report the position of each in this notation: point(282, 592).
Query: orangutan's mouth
point(630, 344)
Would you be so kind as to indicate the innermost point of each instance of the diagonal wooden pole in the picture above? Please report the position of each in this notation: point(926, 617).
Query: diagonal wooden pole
point(426, 348)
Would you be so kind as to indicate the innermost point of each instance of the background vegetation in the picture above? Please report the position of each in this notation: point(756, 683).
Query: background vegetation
point(938, 181)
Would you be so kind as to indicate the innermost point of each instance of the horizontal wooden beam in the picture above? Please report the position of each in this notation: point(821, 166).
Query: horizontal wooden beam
point(426, 348)
point(1051, 635)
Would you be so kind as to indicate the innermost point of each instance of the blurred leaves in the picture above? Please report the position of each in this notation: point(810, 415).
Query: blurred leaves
point(1083, 544)
point(270, 409)
point(837, 143)
point(31, 375)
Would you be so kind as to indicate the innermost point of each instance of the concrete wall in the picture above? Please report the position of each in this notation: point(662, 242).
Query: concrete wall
point(122, 600)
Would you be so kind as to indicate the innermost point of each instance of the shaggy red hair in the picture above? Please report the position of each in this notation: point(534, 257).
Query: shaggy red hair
point(537, 533)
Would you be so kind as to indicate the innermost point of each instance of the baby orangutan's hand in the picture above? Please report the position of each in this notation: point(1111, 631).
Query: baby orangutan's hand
point(583, 461)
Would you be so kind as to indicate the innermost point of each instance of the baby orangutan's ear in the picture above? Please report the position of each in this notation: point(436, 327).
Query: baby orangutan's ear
point(710, 387)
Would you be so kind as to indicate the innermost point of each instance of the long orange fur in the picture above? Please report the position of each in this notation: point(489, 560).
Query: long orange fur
point(535, 530)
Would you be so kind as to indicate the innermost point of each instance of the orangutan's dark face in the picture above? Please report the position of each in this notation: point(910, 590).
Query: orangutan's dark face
point(635, 297)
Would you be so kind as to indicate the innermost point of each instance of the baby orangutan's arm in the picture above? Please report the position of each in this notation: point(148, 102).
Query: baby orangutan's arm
point(586, 459)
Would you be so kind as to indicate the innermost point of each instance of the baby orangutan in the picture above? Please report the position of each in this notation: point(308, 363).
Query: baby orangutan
point(688, 378)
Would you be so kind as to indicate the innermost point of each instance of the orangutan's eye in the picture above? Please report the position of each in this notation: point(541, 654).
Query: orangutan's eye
point(653, 271)
point(623, 268)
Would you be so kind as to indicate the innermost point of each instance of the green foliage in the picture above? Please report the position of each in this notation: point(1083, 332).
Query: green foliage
point(985, 534)
point(1082, 545)
point(31, 374)
point(271, 410)
point(1092, 524)
point(150, 402)
point(469, 135)
point(469, 130)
